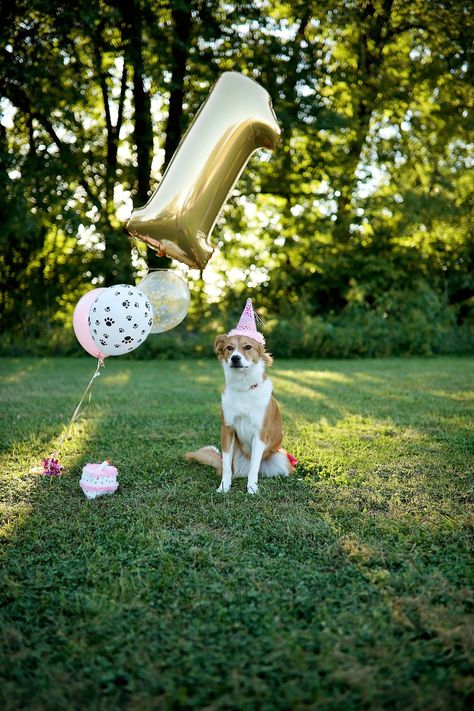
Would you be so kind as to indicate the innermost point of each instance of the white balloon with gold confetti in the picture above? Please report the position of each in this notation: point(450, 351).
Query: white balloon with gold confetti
point(169, 296)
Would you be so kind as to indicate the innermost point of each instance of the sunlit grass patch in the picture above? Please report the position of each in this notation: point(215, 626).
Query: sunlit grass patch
point(347, 586)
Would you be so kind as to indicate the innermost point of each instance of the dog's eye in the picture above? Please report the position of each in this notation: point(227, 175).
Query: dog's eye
point(247, 348)
point(230, 348)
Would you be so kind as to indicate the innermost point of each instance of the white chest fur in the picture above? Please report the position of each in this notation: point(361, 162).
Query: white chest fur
point(244, 410)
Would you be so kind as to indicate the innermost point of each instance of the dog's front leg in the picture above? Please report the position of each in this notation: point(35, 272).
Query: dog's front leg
point(227, 442)
point(258, 448)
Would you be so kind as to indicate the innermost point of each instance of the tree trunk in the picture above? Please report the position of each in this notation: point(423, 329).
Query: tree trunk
point(132, 14)
point(182, 23)
point(375, 27)
point(292, 76)
point(143, 130)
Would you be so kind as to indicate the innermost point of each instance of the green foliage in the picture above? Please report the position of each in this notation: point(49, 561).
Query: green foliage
point(402, 322)
point(368, 197)
point(347, 586)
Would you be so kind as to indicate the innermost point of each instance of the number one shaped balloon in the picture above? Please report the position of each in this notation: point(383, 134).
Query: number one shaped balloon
point(236, 119)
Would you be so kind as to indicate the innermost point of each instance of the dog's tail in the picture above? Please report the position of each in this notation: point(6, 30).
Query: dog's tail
point(207, 455)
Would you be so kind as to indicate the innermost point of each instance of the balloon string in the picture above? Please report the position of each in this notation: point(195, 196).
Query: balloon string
point(79, 410)
point(161, 252)
point(139, 255)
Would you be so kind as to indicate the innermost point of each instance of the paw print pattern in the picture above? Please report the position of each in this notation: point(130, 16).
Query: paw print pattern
point(120, 319)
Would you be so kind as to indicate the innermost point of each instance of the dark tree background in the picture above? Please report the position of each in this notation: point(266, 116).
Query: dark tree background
point(354, 238)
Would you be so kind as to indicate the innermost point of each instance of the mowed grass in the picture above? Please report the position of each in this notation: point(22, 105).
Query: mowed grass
point(348, 586)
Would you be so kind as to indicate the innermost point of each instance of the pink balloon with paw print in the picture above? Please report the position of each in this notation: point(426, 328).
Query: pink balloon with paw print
point(99, 479)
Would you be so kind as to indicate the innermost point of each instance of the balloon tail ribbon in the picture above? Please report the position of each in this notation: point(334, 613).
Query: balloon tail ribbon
point(51, 465)
point(138, 252)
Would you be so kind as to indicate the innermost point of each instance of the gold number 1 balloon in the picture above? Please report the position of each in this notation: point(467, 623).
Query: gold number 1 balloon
point(236, 119)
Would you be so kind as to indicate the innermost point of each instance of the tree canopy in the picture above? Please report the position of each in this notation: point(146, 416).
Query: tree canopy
point(359, 223)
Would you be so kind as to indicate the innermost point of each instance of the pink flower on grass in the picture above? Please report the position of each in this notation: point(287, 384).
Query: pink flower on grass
point(52, 467)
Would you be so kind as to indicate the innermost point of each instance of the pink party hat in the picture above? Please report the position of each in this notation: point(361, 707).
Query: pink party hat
point(247, 325)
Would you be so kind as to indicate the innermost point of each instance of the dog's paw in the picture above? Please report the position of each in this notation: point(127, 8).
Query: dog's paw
point(252, 489)
point(221, 489)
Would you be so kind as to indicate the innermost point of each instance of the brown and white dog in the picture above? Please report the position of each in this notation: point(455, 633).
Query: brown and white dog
point(251, 431)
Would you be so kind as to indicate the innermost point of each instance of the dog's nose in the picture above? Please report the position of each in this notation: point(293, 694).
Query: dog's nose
point(235, 359)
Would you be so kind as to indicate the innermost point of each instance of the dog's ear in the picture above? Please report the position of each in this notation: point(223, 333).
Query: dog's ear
point(219, 345)
point(266, 357)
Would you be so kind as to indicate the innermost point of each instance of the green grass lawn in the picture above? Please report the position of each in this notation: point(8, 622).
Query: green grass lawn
point(348, 586)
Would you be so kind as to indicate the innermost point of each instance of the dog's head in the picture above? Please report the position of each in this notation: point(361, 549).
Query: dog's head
point(241, 353)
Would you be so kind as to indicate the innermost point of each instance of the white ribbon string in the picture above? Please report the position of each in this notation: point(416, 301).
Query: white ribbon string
point(78, 411)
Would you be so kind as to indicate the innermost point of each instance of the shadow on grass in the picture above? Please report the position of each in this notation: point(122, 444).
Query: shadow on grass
point(315, 594)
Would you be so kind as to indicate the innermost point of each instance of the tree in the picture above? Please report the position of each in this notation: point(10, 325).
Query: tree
point(367, 200)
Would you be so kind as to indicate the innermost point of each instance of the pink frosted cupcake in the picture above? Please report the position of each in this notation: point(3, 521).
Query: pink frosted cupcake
point(98, 479)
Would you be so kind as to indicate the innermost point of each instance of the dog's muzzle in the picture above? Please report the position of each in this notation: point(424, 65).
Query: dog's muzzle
point(235, 361)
